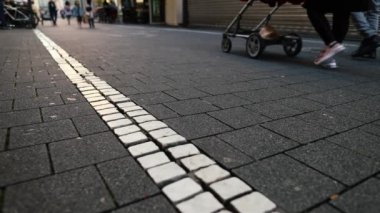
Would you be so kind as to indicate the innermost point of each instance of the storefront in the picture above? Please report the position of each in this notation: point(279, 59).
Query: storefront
point(219, 13)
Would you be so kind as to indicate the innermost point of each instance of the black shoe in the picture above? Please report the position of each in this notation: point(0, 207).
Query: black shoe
point(367, 47)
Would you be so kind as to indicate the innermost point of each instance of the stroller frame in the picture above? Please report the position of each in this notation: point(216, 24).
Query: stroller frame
point(255, 44)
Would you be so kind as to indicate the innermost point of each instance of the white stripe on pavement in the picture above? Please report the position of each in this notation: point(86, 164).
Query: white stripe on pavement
point(167, 157)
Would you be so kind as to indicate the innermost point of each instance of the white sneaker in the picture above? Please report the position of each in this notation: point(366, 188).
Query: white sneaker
point(328, 53)
point(329, 64)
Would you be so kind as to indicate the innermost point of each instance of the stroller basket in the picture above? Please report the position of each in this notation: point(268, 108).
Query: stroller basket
point(261, 35)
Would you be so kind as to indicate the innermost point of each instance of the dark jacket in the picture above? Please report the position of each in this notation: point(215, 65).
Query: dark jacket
point(337, 5)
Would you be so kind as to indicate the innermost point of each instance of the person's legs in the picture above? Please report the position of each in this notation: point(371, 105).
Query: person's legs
point(321, 25)
point(341, 22)
point(2, 18)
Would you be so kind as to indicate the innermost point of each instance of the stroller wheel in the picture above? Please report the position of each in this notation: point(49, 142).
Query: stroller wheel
point(226, 44)
point(255, 45)
point(292, 44)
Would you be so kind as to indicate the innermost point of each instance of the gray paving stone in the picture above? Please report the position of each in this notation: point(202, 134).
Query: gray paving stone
point(331, 83)
point(369, 88)
point(287, 182)
point(3, 138)
point(298, 130)
point(371, 128)
point(189, 107)
point(128, 90)
point(70, 98)
point(67, 111)
point(362, 198)
point(273, 110)
point(238, 117)
point(222, 152)
point(301, 104)
point(90, 124)
point(269, 94)
point(85, 151)
point(196, 126)
point(329, 120)
point(151, 98)
point(127, 181)
point(360, 142)
point(161, 112)
point(158, 204)
point(361, 110)
point(23, 164)
point(325, 208)
point(16, 118)
point(5, 106)
point(51, 91)
point(337, 162)
point(226, 101)
point(186, 93)
point(335, 97)
point(257, 142)
point(80, 190)
point(41, 133)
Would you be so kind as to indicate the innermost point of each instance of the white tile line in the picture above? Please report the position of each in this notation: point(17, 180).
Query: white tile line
point(151, 142)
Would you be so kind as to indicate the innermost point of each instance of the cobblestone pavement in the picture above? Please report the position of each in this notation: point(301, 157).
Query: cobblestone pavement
point(271, 134)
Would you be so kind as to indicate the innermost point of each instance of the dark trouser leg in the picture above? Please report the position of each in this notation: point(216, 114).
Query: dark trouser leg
point(341, 21)
point(321, 25)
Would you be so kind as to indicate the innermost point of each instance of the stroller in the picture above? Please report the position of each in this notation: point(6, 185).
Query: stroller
point(256, 41)
point(20, 17)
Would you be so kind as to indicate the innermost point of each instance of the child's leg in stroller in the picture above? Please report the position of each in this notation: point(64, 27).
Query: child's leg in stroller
point(341, 21)
point(321, 25)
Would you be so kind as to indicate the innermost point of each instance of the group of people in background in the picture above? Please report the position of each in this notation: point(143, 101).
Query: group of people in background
point(75, 11)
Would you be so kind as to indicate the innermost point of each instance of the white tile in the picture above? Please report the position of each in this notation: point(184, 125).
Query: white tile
point(137, 113)
point(152, 160)
point(183, 151)
point(126, 130)
point(171, 140)
point(196, 162)
point(144, 118)
point(95, 99)
point(204, 202)
point(156, 134)
point(132, 108)
point(98, 103)
point(133, 138)
point(143, 149)
point(105, 106)
point(153, 125)
point(253, 203)
point(166, 173)
point(107, 111)
point(112, 117)
point(119, 123)
point(126, 104)
point(229, 188)
point(182, 189)
point(212, 173)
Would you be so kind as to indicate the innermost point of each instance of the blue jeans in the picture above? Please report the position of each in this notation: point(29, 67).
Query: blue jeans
point(367, 22)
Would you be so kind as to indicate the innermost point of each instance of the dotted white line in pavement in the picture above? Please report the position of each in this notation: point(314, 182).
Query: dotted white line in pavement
point(192, 181)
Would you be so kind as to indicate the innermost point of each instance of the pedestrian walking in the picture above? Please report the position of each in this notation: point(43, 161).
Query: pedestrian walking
point(332, 35)
point(53, 11)
point(78, 13)
point(367, 23)
point(90, 14)
point(2, 16)
point(67, 10)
